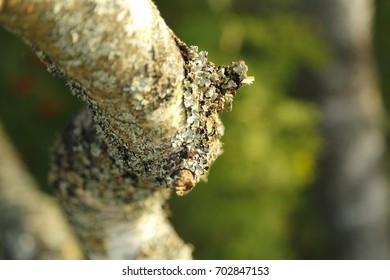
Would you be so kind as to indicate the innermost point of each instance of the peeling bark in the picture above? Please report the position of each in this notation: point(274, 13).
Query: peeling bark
point(153, 118)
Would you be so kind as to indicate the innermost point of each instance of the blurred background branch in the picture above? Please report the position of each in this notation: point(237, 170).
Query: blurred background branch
point(31, 224)
point(352, 178)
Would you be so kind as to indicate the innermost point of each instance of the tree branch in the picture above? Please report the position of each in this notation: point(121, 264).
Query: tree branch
point(115, 215)
point(132, 80)
point(155, 102)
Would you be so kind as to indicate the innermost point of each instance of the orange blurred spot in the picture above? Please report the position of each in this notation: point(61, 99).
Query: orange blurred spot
point(49, 106)
point(22, 84)
point(29, 9)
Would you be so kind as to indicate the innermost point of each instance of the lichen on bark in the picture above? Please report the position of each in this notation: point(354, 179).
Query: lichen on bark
point(155, 100)
point(181, 161)
point(110, 209)
point(207, 90)
point(152, 123)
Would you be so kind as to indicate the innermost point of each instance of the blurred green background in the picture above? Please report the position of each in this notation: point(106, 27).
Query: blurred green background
point(258, 202)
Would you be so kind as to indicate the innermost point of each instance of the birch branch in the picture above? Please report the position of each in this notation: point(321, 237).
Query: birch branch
point(154, 104)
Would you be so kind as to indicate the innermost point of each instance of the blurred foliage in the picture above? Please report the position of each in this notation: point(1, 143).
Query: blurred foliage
point(257, 203)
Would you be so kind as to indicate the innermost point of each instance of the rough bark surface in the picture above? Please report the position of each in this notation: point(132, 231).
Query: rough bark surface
point(153, 118)
point(115, 215)
point(120, 58)
point(352, 178)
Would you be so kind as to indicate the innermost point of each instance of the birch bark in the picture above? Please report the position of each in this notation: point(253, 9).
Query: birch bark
point(352, 177)
point(152, 121)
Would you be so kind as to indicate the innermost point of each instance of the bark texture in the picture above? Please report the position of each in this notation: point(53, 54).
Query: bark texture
point(153, 118)
point(115, 215)
point(352, 176)
point(120, 58)
point(31, 223)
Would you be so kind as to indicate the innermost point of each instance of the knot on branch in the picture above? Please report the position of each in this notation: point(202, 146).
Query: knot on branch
point(208, 90)
point(183, 182)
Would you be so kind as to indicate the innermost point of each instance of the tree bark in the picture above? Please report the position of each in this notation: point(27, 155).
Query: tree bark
point(352, 177)
point(153, 118)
